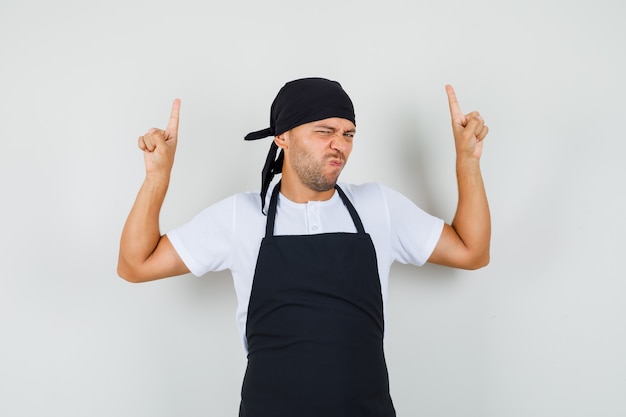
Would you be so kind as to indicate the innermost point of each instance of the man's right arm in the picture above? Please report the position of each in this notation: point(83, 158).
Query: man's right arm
point(145, 254)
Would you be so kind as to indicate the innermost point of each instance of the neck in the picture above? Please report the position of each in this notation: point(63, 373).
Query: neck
point(297, 192)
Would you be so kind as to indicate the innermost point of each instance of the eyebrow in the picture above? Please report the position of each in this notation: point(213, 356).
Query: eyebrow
point(334, 128)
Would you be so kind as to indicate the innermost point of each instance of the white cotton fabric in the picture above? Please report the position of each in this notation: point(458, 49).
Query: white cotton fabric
point(228, 234)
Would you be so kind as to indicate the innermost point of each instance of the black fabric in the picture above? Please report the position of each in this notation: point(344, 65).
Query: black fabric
point(298, 102)
point(272, 167)
point(315, 327)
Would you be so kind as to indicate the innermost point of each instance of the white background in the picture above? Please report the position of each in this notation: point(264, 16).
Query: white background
point(540, 332)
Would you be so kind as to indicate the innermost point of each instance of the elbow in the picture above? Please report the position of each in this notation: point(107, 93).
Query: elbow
point(479, 262)
point(125, 272)
point(478, 265)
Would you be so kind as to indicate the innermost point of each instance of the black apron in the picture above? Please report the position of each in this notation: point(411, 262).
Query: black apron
point(315, 327)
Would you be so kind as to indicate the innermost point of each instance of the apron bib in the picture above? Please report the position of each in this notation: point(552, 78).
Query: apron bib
point(315, 327)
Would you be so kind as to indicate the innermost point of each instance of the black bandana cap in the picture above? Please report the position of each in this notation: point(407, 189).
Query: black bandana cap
point(300, 101)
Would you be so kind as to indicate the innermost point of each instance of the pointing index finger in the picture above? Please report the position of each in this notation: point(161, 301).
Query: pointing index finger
point(455, 109)
point(172, 125)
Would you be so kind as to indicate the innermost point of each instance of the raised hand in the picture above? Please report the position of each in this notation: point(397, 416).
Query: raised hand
point(159, 146)
point(145, 254)
point(465, 242)
point(469, 129)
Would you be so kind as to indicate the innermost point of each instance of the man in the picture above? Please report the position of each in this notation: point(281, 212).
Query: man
point(311, 275)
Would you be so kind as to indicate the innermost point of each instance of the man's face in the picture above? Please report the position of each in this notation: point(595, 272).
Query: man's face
point(316, 152)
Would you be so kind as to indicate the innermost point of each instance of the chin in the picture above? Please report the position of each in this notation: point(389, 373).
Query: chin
point(320, 186)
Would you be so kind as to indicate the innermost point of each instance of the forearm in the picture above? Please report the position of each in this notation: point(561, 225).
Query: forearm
point(472, 221)
point(141, 233)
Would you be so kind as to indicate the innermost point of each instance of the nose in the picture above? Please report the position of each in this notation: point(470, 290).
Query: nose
point(340, 143)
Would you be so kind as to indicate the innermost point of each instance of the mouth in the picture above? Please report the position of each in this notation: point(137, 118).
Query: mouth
point(336, 161)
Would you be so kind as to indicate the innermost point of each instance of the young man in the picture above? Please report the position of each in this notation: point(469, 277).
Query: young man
point(311, 276)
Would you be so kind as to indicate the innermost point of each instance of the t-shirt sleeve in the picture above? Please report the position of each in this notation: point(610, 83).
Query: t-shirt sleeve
point(205, 243)
point(414, 232)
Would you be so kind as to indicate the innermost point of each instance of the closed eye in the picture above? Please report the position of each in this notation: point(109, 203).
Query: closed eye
point(327, 130)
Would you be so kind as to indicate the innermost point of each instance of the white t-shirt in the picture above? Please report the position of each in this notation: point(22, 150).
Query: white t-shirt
point(228, 234)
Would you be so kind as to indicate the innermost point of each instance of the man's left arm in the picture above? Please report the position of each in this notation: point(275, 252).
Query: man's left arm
point(465, 242)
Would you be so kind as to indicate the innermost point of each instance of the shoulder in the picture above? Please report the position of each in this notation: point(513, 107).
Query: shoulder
point(362, 191)
point(246, 201)
point(382, 200)
point(370, 201)
point(247, 215)
point(224, 214)
point(371, 193)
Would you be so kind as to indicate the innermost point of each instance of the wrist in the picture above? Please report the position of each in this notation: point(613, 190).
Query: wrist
point(157, 179)
point(467, 163)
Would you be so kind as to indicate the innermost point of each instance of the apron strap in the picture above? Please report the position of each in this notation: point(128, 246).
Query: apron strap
point(355, 216)
point(271, 213)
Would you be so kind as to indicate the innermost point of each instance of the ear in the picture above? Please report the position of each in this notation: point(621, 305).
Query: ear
point(281, 140)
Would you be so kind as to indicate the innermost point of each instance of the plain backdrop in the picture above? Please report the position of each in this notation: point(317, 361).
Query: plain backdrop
point(540, 332)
